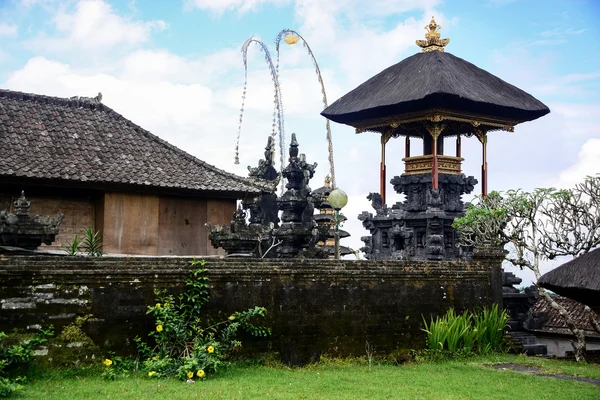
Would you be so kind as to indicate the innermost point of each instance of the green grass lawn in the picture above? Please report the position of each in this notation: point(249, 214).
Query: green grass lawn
point(471, 379)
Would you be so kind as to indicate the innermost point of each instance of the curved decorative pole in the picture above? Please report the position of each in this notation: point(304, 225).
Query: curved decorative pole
point(278, 121)
point(291, 37)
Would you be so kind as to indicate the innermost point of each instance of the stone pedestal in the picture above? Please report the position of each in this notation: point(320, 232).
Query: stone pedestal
point(419, 228)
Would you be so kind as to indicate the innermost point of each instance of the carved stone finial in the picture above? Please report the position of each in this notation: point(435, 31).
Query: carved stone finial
point(432, 40)
point(294, 147)
point(22, 205)
point(327, 181)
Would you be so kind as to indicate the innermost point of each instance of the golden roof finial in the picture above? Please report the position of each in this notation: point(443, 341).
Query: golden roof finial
point(433, 41)
point(327, 181)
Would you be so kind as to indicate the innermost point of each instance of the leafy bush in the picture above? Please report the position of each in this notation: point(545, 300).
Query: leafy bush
point(17, 355)
point(481, 332)
point(92, 242)
point(186, 344)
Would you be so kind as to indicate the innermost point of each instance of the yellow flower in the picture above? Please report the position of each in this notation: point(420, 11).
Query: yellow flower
point(190, 375)
point(159, 328)
point(154, 358)
point(157, 305)
point(210, 349)
point(107, 362)
point(232, 317)
point(200, 373)
point(166, 305)
point(151, 373)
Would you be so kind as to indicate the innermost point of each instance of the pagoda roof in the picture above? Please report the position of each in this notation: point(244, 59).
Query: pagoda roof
point(577, 279)
point(434, 80)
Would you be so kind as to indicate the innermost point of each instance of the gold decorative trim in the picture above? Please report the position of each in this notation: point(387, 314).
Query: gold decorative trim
point(424, 164)
point(432, 40)
point(437, 115)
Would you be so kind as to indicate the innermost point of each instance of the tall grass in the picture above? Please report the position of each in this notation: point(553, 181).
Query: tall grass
point(479, 331)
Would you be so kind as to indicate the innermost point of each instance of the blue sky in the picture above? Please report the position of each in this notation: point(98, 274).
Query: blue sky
point(174, 67)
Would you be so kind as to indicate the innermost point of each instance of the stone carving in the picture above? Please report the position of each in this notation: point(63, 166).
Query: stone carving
point(377, 203)
point(298, 230)
point(264, 235)
point(263, 209)
point(421, 226)
point(20, 229)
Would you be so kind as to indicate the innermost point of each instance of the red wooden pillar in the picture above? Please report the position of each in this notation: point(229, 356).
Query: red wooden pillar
point(484, 167)
point(384, 139)
point(434, 168)
point(482, 136)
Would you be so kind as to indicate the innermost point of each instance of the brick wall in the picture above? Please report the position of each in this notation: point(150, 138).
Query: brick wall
point(79, 214)
point(314, 306)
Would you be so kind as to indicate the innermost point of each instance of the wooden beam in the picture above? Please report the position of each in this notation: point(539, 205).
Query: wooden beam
point(382, 180)
point(482, 136)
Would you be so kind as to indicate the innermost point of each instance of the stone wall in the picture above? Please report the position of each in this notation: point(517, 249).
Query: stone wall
point(314, 306)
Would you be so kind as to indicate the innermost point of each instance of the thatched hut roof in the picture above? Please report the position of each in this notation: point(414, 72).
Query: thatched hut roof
point(434, 80)
point(578, 279)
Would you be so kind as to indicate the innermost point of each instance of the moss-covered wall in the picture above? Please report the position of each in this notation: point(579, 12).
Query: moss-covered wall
point(315, 306)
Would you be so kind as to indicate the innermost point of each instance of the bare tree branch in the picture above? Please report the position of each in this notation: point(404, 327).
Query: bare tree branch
point(536, 226)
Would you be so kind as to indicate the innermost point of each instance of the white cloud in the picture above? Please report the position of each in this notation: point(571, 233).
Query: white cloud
point(160, 64)
point(147, 104)
point(8, 30)
point(349, 31)
point(588, 164)
point(94, 25)
point(241, 6)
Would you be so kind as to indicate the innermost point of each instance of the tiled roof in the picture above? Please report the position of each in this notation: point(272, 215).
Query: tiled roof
point(81, 140)
point(556, 323)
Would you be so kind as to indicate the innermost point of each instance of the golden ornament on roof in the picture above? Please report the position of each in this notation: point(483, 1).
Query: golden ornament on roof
point(433, 41)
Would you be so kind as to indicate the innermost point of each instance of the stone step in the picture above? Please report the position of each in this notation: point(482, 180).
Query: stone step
point(536, 349)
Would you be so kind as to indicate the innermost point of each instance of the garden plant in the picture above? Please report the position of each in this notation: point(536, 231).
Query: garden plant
point(187, 344)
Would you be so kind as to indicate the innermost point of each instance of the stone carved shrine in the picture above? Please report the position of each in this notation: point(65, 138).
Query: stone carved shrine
point(325, 218)
point(264, 235)
point(21, 230)
point(430, 96)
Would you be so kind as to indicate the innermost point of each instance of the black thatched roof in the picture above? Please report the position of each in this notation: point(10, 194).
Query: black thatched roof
point(434, 80)
point(578, 279)
point(80, 141)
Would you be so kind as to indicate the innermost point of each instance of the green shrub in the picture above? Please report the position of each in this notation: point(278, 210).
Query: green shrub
point(15, 356)
point(187, 345)
point(480, 331)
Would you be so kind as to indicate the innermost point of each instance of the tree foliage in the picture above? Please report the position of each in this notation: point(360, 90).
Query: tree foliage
point(537, 226)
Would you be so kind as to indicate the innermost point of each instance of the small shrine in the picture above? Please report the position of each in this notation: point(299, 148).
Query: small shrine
point(430, 96)
point(262, 234)
point(325, 218)
point(23, 231)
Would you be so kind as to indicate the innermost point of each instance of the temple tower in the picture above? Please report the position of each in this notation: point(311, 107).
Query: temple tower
point(431, 95)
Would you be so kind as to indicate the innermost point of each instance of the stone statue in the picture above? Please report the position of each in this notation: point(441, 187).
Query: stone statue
point(20, 229)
